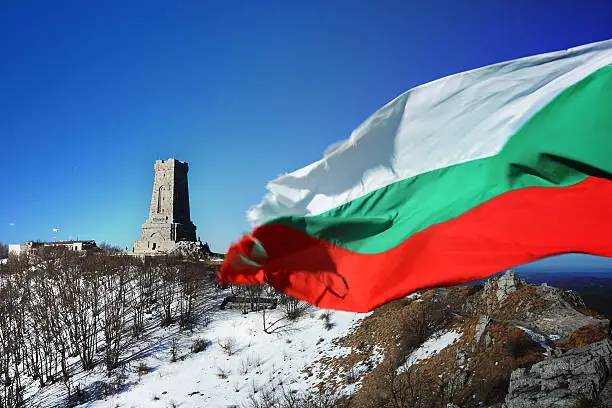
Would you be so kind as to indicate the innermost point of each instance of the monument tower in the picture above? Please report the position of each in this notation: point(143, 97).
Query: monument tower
point(169, 218)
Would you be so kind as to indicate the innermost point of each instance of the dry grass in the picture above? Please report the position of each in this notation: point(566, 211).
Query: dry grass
point(485, 369)
point(584, 336)
point(510, 348)
point(588, 312)
point(517, 304)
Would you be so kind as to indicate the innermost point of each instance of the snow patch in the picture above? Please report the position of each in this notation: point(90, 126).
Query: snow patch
point(540, 339)
point(436, 343)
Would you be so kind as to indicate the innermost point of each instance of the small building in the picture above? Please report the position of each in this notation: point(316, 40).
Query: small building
point(82, 245)
point(73, 245)
point(17, 249)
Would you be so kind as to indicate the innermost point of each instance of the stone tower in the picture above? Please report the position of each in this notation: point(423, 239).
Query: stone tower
point(169, 218)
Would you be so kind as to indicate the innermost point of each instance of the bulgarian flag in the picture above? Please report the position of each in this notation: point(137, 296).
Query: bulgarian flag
point(452, 181)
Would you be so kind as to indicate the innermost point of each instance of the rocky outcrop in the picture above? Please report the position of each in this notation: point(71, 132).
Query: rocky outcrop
point(507, 324)
point(605, 396)
point(189, 249)
point(498, 288)
point(507, 283)
point(573, 298)
point(577, 377)
point(481, 326)
point(559, 318)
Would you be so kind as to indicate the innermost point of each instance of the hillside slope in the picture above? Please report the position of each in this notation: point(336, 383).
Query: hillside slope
point(473, 346)
point(469, 345)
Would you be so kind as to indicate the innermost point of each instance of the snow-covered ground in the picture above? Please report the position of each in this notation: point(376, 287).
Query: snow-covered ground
point(3, 261)
point(436, 343)
point(217, 377)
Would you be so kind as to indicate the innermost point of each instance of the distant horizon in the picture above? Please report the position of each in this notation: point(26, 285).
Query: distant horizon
point(569, 263)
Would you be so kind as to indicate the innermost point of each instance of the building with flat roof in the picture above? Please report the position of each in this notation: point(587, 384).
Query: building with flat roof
point(80, 245)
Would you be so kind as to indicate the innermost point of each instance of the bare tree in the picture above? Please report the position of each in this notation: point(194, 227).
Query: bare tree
point(106, 247)
point(167, 290)
point(57, 304)
point(188, 294)
point(114, 283)
point(139, 298)
point(80, 303)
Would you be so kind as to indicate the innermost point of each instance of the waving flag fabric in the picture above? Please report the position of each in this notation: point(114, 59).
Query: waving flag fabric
point(452, 181)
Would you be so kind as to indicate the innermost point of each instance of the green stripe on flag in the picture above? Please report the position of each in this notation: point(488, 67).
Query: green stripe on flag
point(561, 145)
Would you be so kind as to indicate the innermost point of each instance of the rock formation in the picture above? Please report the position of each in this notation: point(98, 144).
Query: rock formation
point(576, 377)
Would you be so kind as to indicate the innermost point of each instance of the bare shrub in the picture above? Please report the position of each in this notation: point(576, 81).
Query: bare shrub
point(326, 316)
point(281, 397)
point(294, 308)
point(199, 345)
point(244, 366)
point(522, 346)
point(400, 390)
point(173, 350)
point(352, 376)
point(143, 369)
point(228, 345)
point(223, 373)
point(78, 397)
point(585, 335)
point(257, 362)
point(329, 325)
point(116, 384)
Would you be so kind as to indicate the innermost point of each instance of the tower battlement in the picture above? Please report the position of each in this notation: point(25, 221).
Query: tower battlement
point(169, 218)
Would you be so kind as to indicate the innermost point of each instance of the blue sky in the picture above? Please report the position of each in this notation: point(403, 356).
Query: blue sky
point(92, 93)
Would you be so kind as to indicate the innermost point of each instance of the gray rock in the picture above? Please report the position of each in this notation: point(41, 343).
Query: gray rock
point(481, 326)
point(461, 357)
point(187, 249)
point(488, 339)
point(563, 381)
point(574, 298)
point(605, 396)
point(501, 286)
point(559, 317)
point(507, 283)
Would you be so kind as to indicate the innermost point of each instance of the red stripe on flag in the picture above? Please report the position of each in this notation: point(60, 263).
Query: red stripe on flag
point(512, 229)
